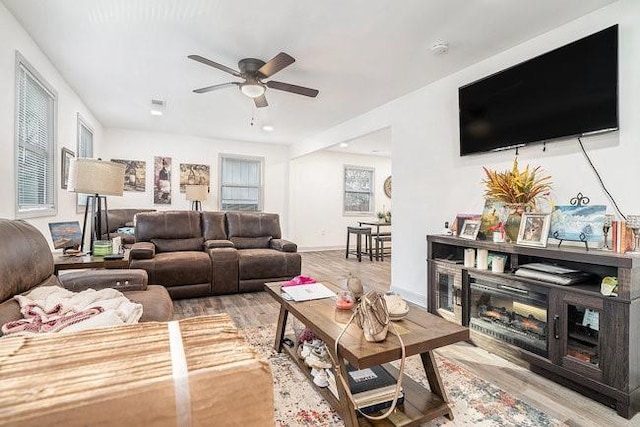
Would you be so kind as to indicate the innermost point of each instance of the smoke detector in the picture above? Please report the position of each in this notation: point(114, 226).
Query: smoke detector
point(440, 47)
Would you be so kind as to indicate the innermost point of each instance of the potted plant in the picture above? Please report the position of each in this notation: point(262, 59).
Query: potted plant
point(518, 189)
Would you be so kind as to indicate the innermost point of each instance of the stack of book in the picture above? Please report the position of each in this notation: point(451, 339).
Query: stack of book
point(373, 388)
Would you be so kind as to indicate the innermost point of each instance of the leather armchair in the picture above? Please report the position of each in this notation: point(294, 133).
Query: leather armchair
point(27, 262)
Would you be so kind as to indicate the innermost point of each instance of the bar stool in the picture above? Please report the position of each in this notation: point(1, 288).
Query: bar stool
point(359, 232)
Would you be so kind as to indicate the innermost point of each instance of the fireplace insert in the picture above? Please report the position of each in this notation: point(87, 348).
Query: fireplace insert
point(515, 313)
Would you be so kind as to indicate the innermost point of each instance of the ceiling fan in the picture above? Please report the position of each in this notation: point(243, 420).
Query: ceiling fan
point(253, 71)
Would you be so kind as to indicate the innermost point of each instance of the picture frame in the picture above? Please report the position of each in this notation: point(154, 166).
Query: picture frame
point(457, 224)
point(65, 163)
point(470, 229)
point(534, 229)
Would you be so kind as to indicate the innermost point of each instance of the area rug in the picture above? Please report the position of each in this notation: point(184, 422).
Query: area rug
point(474, 400)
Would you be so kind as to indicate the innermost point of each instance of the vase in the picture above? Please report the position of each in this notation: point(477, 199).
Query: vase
point(512, 224)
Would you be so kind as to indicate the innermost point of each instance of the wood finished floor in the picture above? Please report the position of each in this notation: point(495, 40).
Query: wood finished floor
point(258, 308)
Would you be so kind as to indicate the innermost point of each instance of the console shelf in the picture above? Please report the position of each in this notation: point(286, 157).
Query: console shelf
point(592, 342)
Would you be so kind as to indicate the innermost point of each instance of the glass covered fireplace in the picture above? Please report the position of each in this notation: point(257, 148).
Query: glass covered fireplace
point(514, 313)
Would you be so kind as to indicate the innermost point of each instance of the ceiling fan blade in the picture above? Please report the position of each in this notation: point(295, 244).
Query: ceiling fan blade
point(276, 64)
point(287, 87)
point(214, 87)
point(215, 65)
point(261, 101)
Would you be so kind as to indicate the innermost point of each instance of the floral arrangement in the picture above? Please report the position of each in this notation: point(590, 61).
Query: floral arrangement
point(516, 186)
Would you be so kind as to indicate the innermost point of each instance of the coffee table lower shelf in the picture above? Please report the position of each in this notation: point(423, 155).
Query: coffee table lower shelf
point(420, 405)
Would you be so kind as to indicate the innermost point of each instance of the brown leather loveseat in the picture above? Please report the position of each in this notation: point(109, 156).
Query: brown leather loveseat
point(27, 262)
point(196, 253)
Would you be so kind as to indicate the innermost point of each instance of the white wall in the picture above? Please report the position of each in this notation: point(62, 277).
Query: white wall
point(317, 218)
point(13, 37)
point(431, 183)
point(140, 145)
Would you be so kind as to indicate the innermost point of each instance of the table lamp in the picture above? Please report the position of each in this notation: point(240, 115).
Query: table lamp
point(97, 179)
point(197, 194)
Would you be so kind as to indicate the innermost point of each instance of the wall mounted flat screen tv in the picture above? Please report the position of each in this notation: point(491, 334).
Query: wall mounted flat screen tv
point(570, 91)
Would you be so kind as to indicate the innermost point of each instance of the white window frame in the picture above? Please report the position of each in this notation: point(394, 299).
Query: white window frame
point(371, 192)
point(86, 152)
point(259, 160)
point(49, 207)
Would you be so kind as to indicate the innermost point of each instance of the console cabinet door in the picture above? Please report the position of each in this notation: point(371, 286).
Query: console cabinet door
point(447, 298)
point(577, 335)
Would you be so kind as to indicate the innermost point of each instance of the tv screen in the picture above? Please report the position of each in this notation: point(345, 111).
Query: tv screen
point(569, 91)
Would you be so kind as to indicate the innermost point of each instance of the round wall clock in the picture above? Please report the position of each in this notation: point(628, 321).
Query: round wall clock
point(387, 186)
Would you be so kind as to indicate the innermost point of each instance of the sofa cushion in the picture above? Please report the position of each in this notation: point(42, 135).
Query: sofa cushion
point(178, 245)
point(213, 226)
point(253, 224)
point(167, 225)
point(251, 242)
point(26, 260)
point(176, 268)
point(267, 263)
point(212, 244)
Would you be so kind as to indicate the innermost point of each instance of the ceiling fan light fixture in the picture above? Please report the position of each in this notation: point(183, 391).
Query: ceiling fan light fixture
point(252, 89)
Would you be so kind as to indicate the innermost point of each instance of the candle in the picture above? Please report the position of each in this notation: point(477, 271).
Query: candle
point(469, 257)
point(497, 265)
point(483, 259)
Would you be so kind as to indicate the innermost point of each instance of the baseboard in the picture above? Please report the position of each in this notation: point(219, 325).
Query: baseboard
point(410, 296)
point(320, 248)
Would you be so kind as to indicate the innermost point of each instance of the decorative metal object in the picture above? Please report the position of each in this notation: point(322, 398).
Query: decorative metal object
point(608, 219)
point(579, 200)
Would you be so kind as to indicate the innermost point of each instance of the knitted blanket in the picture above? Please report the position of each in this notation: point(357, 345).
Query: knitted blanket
point(55, 309)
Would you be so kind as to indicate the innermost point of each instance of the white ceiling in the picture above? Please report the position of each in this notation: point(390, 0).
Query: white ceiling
point(119, 54)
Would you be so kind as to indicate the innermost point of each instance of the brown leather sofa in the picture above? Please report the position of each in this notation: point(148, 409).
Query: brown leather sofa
point(27, 262)
point(119, 218)
point(212, 253)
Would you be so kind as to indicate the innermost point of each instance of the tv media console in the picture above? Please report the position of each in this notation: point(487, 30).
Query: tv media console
point(571, 334)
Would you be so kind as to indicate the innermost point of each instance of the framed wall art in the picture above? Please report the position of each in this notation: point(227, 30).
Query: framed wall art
point(162, 180)
point(65, 159)
point(534, 229)
point(193, 174)
point(135, 174)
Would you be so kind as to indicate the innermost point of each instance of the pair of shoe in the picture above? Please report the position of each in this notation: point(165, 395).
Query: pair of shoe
point(307, 347)
point(320, 377)
point(319, 358)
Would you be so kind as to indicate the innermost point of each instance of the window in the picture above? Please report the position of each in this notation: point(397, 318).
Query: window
point(240, 183)
point(85, 149)
point(358, 190)
point(36, 104)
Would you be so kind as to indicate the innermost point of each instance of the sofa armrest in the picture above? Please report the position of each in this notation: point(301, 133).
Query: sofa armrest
point(283, 245)
point(142, 250)
point(121, 280)
point(212, 244)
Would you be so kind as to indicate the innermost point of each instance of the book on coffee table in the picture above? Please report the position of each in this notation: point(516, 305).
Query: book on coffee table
point(308, 292)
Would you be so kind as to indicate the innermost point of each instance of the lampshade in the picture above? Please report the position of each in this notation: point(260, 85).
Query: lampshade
point(252, 89)
point(90, 176)
point(197, 193)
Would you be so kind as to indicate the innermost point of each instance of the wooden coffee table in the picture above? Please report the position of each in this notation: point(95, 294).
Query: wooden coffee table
point(421, 332)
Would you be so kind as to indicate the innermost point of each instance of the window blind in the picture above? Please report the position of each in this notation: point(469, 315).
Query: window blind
point(35, 143)
point(85, 149)
point(240, 184)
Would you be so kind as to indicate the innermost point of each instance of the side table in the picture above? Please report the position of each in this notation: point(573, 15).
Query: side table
point(66, 262)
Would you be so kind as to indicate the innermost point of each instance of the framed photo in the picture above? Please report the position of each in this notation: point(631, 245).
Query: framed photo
point(470, 229)
point(457, 224)
point(534, 229)
point(66, 157)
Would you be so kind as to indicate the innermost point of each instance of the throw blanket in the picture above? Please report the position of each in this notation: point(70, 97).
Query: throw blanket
point(54, 309)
